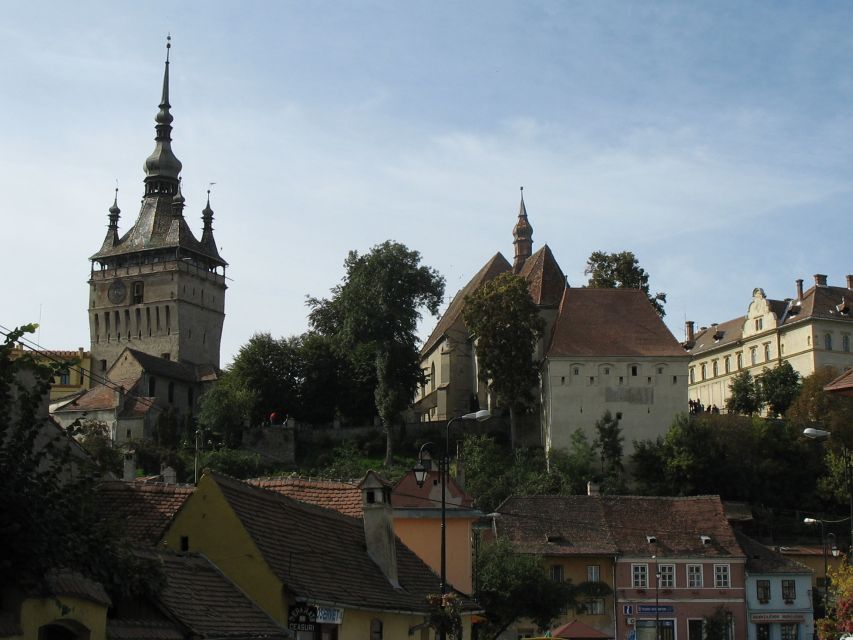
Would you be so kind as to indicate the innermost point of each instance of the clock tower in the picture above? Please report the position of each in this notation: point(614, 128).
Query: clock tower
point(158, 289)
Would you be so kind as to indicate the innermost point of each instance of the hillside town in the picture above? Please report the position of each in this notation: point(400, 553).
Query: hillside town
point(548, 461)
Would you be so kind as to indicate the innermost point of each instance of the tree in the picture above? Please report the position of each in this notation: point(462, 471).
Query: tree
point(778, 388)
point(373, 315)
point(96, 440)
point(608, 442)
point(743, 398)
point(506, 323)
point(621, 271)
point(48, 515)
point(226, 409)
point(576, 465)
point(839, 620)
point(831, 411)
point(514, 586)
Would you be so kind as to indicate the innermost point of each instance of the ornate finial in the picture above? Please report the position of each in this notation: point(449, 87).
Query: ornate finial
point(168, 45)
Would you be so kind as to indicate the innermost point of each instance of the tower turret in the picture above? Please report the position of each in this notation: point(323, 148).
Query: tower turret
point(522, 237)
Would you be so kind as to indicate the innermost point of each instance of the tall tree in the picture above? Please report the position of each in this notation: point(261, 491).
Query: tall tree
point(506, 323)
point(608, 442)
point(374, 313)
point(814, 406)
point(743, 398)
point(226, 409)
point(621, 271)
point(778, 388)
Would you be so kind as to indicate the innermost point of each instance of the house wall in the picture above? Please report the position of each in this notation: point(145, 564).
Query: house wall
point(776, 610)
point(422, 533)
point(213, 529)
point(648, 393)
point(681, 604)
point(76, 614)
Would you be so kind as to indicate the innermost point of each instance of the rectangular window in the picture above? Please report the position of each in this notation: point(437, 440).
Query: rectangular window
point(759, 324)
point(789, 590)
point(692, 375)
point(753, 355)
point(789, 631)
point(704, 372)
point(762, 590)
point(640, 576)
point(557, 573)
point(727, 364)
point(716, 368)
point(667, 576)
point(593, 573)
point(739, 360)
point(64, 377)
point(634, 369)
point(767, 352)
point(762, 632)
point(827, 342)
point(721, 576)
point(694, 576)
point(845, 343)
point(594, 607)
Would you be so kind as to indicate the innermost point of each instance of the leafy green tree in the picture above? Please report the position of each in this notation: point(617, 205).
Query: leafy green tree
point(717, 626)
point(778, 388)
point(48, 516)
point(576, 464)
point(226, 409)
point(506, 323)
point(167, 430)
point(621, 271)
point(373, 314)
point(839, 621)
point(95, 437)
point(744, 394)
point(608, 442)
point(514, 586)
point(832, 412)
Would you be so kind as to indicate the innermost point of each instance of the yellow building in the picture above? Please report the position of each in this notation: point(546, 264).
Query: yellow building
point(323, 574)
point(73, 370)
point(812, 330)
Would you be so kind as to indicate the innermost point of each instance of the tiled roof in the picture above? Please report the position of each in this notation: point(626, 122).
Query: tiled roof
point(98, 398)
point(822, 302)
point(158, 366)
point(577, 630)
point(717, 336)
point(761, 559)
point(343, 497)
point(610, 322)
point(209, 604)
point(330, 564)
point(408, 495)
point(584, 525)
point(494, 267)
point(843, 384)
point(145, 510)
point(137, 629)
point(556, 525)
point(68, 583)
point(544, 278)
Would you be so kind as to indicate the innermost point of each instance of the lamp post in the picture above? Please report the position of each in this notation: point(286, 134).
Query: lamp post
point(420, 471)
point(824, 541)
point(820, 434)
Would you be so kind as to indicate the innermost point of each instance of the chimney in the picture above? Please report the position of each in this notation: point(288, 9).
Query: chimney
point(850, 281)
point(799, 289)
point(170, 476)
point(129, 466)
point(378, 520)
point(819, 280)
point(592, 489)
point(688, 331)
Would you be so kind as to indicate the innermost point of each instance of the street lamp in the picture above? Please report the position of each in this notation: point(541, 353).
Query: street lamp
point(811, 522)
point(820, 434)
point(421, 472)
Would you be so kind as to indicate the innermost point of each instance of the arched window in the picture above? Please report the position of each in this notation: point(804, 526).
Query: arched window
point(376, 629)
point(827, 342)
point(432, 377)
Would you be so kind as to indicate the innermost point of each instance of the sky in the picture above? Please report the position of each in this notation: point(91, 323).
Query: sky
point(714, 140)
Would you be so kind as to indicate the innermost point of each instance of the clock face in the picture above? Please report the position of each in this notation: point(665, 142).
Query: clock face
point(117, 292)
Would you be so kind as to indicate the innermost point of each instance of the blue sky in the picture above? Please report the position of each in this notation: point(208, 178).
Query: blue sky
point(712, 139)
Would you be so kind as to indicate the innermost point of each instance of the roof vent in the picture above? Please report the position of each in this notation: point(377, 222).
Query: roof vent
point(705, 539)
point(719, 335)
point(843, 308)
point(652, 539)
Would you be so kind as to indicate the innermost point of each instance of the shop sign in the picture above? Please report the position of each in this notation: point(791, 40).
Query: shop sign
point(301, 617)
point(650, 608)
point(777, 617)
point(330, 615)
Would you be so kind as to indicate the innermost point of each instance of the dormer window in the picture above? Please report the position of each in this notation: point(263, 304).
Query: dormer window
point(759, 324)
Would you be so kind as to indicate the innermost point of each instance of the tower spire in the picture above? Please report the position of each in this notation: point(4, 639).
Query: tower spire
point(522, 236)
point(162, 167)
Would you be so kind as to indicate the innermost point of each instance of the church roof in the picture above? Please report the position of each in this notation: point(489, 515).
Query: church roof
point(544, 278)
point(610, 322)
point(494, 267)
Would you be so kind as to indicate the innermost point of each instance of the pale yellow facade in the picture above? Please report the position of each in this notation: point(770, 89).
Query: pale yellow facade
point(69, 380)
point(422, 533)
point(644, 393)
point(79, 616)
point(769, 335)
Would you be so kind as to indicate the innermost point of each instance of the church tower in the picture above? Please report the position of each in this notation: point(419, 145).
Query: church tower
point(522, 237)
point(157, 289)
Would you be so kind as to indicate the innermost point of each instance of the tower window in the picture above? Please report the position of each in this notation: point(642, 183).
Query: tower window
point(634, 369)
point(138, 288)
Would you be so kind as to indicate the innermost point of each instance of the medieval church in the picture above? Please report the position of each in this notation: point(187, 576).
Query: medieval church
point(156, 304)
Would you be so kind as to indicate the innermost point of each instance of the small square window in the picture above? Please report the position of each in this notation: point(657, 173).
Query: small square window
point(660, 370)
point(634, 369)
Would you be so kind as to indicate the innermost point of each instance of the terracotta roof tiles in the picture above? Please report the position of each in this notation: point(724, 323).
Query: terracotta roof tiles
point(762, 559)
point(610, 322)
point(544, 278)
point(343, 497)
point(145, 510)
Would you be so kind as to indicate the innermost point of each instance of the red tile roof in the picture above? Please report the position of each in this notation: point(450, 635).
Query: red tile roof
point(408, 495)
point(320, 553)
point(494, 267)
point(762, 559)
point(842, 385)
point(343, 497)
point(584, 525)
point(577, 630)
point(544, 278)
point(145, 510)
point(610, 322)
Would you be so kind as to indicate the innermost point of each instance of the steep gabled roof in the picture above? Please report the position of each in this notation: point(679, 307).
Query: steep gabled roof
point(842, 385)
point(408, 495)
point(822, 302)
point(610, 322)
point(343, 497)
point(494, 267)
point(144, 510)
point(321, 554)
point(761, 559)
point(544, 277)
point(721, 335)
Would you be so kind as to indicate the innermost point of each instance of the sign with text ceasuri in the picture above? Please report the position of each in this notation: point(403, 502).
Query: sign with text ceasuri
point(301, 617)
point(777, 617)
